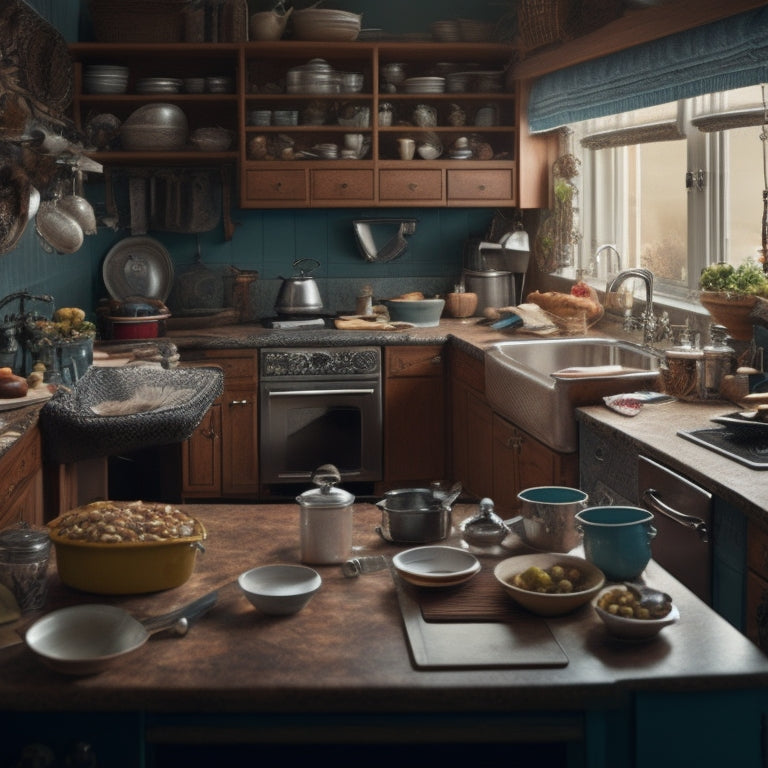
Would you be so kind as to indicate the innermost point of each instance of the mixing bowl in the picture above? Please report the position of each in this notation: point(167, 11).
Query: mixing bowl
point(279, 590)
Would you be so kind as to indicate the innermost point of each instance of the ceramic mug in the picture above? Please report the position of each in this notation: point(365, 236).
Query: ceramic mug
point(407, 148)
point(353, 141)
point(617, 539)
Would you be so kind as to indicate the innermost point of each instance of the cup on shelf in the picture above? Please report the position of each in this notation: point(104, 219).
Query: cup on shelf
point(406, 148)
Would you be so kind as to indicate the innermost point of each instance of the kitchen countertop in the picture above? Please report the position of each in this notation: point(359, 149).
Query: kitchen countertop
point(653, 433)
point(346, 651)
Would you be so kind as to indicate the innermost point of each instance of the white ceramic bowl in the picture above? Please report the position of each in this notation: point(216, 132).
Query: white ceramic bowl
point(635, 630)
point(279, 590)
point(436, 566)
point(549, 603)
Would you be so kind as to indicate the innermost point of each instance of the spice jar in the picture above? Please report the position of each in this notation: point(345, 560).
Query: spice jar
point(719, 361)
point(325, 519)
point(682, 371)
point(24, 553)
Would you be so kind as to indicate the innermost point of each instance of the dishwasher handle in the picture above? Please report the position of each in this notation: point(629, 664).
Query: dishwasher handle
point(689, 521)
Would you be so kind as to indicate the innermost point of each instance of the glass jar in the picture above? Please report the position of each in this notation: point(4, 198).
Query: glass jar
point(24, 554)
point(718, 362)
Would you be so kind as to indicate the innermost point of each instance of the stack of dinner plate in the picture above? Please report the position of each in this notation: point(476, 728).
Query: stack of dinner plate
point(105, 78)
point(326, 24)
point(159, 85)
point(446, 31)
point(424, 85)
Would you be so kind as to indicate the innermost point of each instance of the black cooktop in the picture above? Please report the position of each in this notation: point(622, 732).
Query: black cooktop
point(752, 453)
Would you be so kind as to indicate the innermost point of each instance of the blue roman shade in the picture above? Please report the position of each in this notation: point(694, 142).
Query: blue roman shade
point(727, 54)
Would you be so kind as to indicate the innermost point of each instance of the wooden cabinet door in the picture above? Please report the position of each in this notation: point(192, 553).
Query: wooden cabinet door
point(21, 488)
point(201, 457)
point(415, 432)
point(240, 443)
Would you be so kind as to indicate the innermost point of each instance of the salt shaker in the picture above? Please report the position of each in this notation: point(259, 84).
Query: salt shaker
point(325, 519)
point(24, 553)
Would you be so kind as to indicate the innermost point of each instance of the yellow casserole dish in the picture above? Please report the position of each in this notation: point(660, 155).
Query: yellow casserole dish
point(115, 565)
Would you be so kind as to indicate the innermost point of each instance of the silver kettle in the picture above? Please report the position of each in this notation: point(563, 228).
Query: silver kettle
point(299, 295)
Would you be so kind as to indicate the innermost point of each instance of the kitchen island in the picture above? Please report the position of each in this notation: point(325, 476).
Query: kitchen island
point(340, 673)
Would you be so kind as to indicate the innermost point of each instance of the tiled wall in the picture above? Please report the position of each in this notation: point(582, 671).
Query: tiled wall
point(269, 241)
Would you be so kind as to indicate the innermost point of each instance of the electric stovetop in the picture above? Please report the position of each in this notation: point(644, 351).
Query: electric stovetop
point(751, 452)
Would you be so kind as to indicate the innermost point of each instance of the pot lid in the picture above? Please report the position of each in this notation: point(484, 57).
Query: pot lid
point(326, 494)
point(138, 266)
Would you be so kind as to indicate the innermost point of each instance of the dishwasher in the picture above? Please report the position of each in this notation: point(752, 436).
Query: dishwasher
point(683, 520)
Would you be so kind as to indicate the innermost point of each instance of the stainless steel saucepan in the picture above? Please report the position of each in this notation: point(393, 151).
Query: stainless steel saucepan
point(86, 639)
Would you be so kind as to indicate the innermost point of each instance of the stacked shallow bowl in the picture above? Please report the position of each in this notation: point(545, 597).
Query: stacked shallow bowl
point(105, 78)
point(326, 24)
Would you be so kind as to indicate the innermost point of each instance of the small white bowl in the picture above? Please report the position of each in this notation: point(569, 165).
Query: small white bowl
point(635, 630)
point(279, 590)
point(436, 566)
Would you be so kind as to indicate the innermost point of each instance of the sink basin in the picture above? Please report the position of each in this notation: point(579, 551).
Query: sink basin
point(538, 383)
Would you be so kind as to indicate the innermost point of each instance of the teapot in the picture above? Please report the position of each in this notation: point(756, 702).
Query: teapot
point(299, 295)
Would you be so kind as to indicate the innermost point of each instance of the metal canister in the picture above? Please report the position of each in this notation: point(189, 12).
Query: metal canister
point(24, 554)
point(325, 519)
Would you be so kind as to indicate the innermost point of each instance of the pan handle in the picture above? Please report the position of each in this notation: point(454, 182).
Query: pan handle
point(189, 612)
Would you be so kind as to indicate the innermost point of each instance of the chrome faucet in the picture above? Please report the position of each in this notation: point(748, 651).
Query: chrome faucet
point(607, 247)
point(648, 321)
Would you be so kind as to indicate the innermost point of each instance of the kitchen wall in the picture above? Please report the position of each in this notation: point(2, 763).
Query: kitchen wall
point(268, 241)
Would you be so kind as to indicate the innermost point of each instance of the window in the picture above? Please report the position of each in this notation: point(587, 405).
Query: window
point(673, 187)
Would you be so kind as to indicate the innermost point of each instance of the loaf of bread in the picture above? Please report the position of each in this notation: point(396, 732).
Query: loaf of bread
point(566, 305)
point(11, 385)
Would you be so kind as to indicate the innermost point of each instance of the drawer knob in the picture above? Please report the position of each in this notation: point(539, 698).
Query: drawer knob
point(238, 402)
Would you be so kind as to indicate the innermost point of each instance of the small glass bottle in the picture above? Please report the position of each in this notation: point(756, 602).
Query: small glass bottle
point(682, 372)
point(24, 553)
point(719, 361)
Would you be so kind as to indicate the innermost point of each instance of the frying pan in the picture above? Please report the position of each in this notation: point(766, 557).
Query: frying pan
point(86, 639)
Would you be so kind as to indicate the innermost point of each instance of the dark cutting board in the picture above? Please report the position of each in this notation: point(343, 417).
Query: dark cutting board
point(441, 637)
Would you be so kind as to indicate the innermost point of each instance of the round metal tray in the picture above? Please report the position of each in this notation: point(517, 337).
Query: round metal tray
point(138, 266)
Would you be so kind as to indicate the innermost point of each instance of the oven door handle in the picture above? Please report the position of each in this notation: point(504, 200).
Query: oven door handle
point(689, 521)
point(315, 392)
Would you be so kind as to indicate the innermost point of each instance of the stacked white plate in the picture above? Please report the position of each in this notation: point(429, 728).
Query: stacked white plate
point(326, 24)
point(159, 85)
point(446, 31)
point(105, 78)
point(436, 566)
point(424, 85)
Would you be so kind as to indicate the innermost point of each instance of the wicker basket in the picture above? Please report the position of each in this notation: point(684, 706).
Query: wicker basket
point(139, 21)
point(542, 22)
point(73, 431)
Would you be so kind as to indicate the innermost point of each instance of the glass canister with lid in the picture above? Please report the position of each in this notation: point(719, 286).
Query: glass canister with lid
point(24, 555)
point(325, 519)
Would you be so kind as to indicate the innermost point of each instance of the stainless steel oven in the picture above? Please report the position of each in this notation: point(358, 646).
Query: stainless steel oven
point(320, 406)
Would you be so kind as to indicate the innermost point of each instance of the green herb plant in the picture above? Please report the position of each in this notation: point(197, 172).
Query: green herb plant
point(748, 278)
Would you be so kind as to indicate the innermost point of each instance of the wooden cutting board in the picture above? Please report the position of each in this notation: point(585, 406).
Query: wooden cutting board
point(526, 641)
point(350, 323)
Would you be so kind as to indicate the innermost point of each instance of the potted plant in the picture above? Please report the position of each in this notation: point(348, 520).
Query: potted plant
point(730, 294)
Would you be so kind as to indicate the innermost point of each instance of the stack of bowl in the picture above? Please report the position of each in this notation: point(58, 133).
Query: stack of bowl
point(326, 24)
point(105, 78)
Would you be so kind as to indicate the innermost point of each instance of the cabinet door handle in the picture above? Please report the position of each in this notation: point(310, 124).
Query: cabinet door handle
point(238, 402)
point(210, 434)
point(413, 187)
point(437, 360)
point(344, 185)
point(481, 187)
point(657, 505)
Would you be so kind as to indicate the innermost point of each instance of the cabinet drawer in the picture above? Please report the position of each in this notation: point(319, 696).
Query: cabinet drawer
point(240, 367)
point(480, 185)
point(342, 185)
point(411, 185)
point(413, 361)
point(281, 185)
